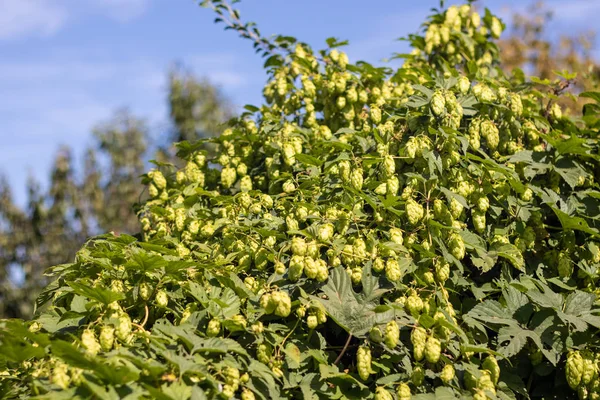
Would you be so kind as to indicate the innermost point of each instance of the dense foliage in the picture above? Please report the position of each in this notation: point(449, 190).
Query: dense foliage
point(425, 232)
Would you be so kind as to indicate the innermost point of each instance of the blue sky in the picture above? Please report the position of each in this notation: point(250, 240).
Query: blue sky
point(67, 65)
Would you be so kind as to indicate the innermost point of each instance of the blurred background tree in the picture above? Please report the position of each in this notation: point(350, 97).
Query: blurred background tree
point(101, 196)
point(530, 46)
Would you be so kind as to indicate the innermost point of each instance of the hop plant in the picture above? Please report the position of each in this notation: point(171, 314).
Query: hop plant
point(363, 362)
point(447, 374)
point(392, 334)
point(418, 338)
point(418, 216)
point(574, 369)
point(433, 349)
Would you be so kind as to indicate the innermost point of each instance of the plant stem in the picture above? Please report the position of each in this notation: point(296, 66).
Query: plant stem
point(337, 360)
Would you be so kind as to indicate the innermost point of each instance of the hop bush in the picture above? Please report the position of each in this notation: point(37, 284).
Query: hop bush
point(425, 231)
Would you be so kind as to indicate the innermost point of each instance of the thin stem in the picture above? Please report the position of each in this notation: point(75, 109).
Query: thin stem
point(337, 360)
point(146, 315)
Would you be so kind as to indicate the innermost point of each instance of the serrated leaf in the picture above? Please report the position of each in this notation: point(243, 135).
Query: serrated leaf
point(579, 302)
point(104, 296)
point(348, 309)
point(492, 312)
point(572, 222)
point(509, 252)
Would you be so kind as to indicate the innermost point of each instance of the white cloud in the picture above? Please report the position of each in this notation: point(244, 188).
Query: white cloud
point(30, 17)
point(25, 18)
point(122, 10)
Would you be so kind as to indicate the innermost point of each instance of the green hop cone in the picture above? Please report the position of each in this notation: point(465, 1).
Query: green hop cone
point(312, 321)
point(214, 328)
point(322, 271)
point(321, 316)
point(403, 391)
point(375, 335)
point(310, 268)
point(457, 246)
point(565, 265)
point(556, 112)
point(496, 28)
point(389, 165)
point(60, 376)
point(284, 305)
point(264, 351)
point(414, 304)
point(433, 350)
point(382, 394)
point(418, 338)
point(414, 211)
point(162, 299)
point(107, 337)
point(536, 357)
point(418, 376)
point(299, 246)
point(325, 233)
point(356, 178)
point(228, 177)
point(89, 342)
point(480, 395)
point(123, 330)
point(247, 394)
point(447, 374)
point(438, 104)
point(378, 265)
point(479, 221)
point(375, 114)
point(442, 270)
point(392, 334)
point(267, 303)
point(363, 362)
point(158, 179)
point(232, 376)
point(463, 84)
point(485, 382)
point(392, 270)
point(490, 364)
point(483, 204)
point(396, 236)
point(228, 391)
point(590, 369)
point(296, 268)
point(419, 351)
point(145, 291)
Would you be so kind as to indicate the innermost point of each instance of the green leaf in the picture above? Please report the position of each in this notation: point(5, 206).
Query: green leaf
point(309, 160)
point(576, 223)
point(591, 95)
point(510, 252)
point(353, 313)
point(293, 356)
point(492, 312)
point(579, 302)
point(104, 296)
point(144, 262)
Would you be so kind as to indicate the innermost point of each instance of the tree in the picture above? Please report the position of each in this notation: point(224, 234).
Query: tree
point(431, 230)
point(123, 143)
point(48, 233)
point(530, 47)
point(198, 108)
point(99, 198)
